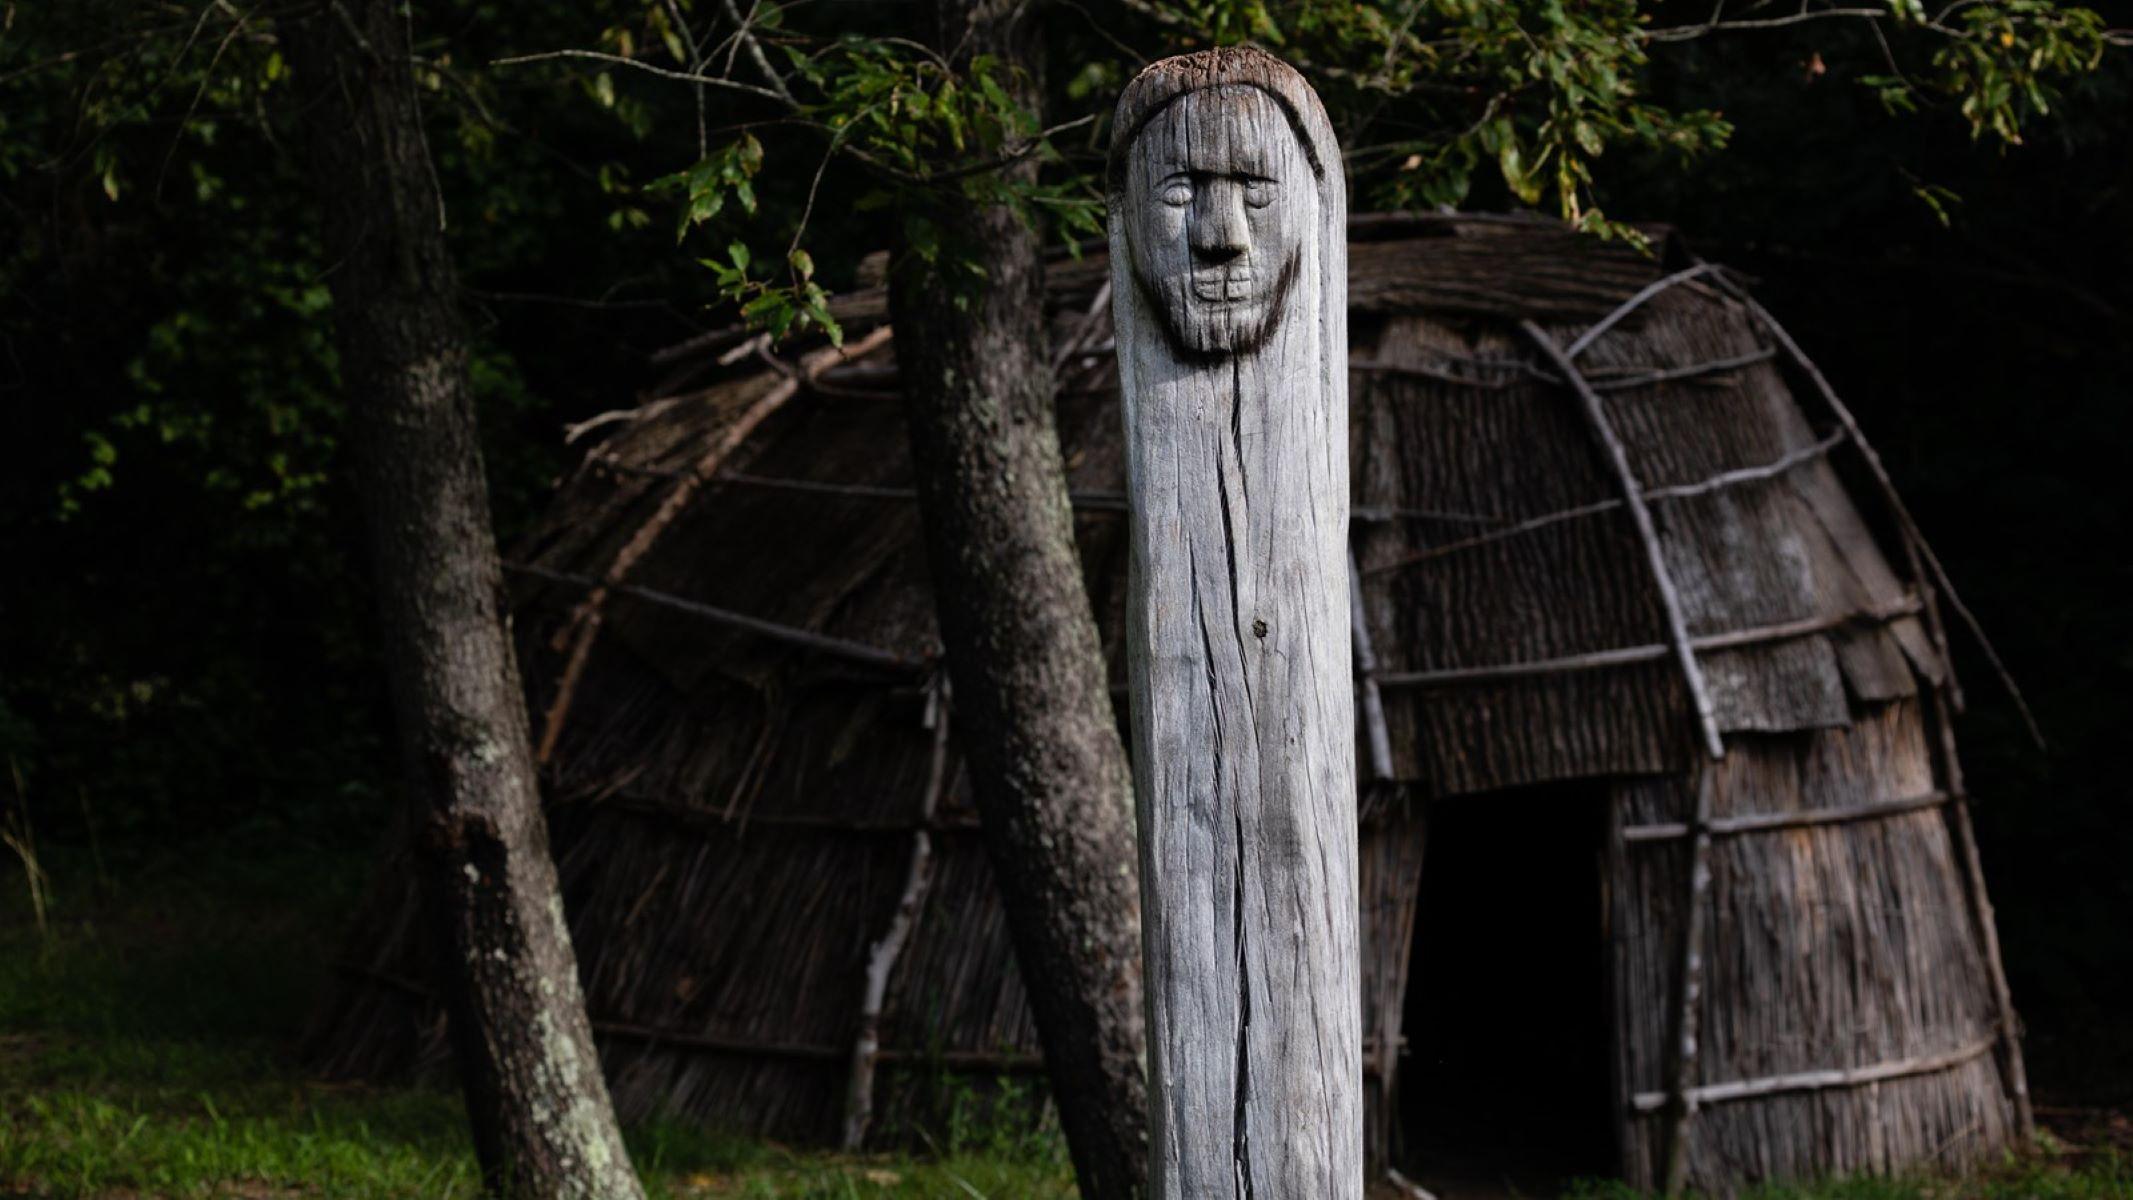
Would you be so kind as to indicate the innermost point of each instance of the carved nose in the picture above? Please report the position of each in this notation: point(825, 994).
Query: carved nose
point(1221, 233)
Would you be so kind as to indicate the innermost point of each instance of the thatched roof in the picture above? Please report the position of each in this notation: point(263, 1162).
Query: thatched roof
point(1490, 534)
point(737, 760)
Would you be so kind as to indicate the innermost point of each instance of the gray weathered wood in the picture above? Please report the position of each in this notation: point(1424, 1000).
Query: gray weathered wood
point(1229, 295)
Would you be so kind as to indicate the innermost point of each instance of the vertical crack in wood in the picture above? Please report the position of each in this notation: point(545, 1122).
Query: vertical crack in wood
point(1240, 1148)
point(1240, 1105)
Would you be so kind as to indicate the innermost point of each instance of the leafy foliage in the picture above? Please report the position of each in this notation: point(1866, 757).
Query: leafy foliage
point(1434, 98)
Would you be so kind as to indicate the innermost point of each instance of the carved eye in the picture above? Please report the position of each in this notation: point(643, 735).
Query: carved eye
point(1258, 192)
point(1177, 194)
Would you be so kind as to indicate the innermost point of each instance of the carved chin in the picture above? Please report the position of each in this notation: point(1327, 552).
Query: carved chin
point(1208, 316)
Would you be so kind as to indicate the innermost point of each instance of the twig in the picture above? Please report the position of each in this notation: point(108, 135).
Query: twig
point(1724, 479)
point(1683, 33)
point(1408, 1186)
point(1642, 297)
point(881, 959)
point(859, 652)
point(755, 53)
point(1833, 1077)
point(1804, 818)
point(1653, 652)
point(663, 72)
point(642, 412)
point(1084, 330)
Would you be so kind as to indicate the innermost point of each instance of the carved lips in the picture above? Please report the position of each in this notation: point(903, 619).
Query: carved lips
point(1223, 285)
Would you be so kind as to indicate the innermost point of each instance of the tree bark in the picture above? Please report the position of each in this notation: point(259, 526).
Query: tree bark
point(542, 1122)
point(1033, 710)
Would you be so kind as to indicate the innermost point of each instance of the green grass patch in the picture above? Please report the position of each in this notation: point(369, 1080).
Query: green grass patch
point(144, 1052)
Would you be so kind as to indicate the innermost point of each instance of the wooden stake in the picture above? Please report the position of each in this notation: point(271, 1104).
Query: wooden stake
point(2013, 1074)
point(1366, 674)
point(1813, 1081)
point(1683, 1046)
point(1229, 272)
point(881, 960)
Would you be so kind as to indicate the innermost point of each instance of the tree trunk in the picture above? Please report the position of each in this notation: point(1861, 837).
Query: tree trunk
point(1033, 711)
point(543, 1126)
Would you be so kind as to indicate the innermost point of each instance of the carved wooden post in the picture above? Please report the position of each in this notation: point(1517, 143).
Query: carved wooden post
point(1229, 286)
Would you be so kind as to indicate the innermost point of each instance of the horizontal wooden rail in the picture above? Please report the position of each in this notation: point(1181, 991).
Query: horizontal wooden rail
point(1723, 479)
point(1810, 1081)
point(771, 630)
point(1759, 822)
point(1629, 655)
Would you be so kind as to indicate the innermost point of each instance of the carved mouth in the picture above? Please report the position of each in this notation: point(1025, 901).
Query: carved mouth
point(1232, 286)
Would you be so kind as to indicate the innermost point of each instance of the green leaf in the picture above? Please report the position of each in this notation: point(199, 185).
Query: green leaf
point(739, 254)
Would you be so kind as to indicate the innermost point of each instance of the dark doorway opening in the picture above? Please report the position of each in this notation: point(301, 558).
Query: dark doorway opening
point(1506, 1089)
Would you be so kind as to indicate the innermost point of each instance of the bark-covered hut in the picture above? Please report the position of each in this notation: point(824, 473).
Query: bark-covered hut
point(1664, 840)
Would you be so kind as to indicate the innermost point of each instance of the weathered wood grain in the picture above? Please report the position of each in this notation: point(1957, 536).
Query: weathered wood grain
point(1229, 271)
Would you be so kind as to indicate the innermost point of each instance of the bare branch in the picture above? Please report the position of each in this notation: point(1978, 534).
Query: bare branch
point(1683, 33)
point(648, 68)
point(756, 55)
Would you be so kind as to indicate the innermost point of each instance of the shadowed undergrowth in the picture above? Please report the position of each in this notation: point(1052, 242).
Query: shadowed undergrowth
point(144, 1038)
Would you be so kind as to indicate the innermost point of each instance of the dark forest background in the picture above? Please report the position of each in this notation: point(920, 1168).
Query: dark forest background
point(186, 661)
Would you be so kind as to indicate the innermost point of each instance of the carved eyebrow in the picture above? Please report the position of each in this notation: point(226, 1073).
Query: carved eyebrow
point(1194, 171)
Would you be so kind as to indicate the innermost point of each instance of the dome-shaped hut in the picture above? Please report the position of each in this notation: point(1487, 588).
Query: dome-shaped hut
point(1663, 838)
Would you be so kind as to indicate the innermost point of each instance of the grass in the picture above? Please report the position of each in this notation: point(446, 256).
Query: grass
point(144, 1052)
point(144, 1038)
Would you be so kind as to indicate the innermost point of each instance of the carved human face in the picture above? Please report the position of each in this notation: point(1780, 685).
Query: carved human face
point(1219, 197)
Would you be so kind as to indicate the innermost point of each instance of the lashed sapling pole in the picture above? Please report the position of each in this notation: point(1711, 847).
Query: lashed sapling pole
point(1229, 289)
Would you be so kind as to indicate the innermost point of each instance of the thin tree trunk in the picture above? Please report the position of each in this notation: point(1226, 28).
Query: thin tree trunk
point(1033, 710)
point(543, 1126)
